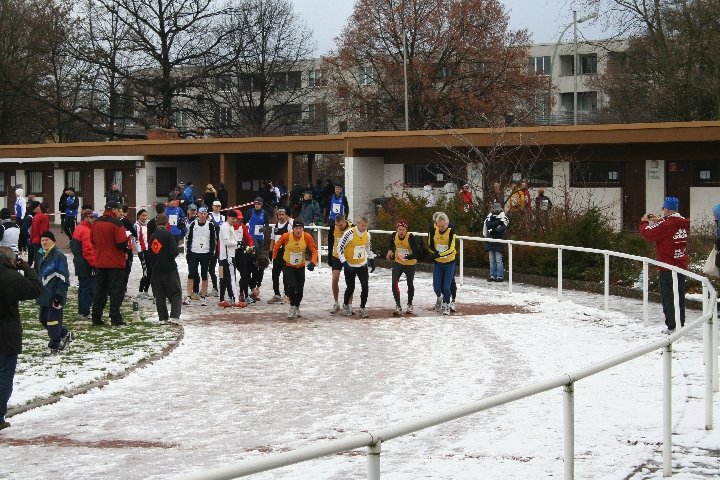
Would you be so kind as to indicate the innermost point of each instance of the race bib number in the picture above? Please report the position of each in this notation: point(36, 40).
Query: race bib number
point(258, 230)
point(202, 245)
point(358, 253)
point(401, 253)
point(173, 220)
point(336, 207)
point(441, 248)
point(296, 258)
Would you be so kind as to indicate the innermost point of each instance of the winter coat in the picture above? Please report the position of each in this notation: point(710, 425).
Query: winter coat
point(10, 235)
point(222, 195)
point(310, 212)
point(40, 225)
point(189, 195)
point(670, 235)
point(55, 277)
point(108, 236)
point(114, 196)
point(14, 287)
point(83, 250)
point(164, 250)
point(495, 226)
point(209, 197)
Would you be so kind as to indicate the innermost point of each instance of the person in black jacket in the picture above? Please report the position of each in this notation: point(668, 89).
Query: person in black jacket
point(14, 287)
point(222, 195)
point(152, 225)
point(495, 227)
point(165, 279)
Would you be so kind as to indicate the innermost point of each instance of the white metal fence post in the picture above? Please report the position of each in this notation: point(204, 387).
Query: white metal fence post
point(559, 273)
point(510, 267)
point(569, 424)
point(319, 248)
point(373, 461)
point(645, 287)
point(716, 353)
point(708, 358)
point(667, 411)
point(462, 261)
point(676, 298)
point(607, 282)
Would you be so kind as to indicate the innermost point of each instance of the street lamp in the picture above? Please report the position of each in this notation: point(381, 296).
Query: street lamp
point(575, 54)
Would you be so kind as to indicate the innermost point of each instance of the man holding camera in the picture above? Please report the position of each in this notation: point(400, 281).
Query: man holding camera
point(15, 286)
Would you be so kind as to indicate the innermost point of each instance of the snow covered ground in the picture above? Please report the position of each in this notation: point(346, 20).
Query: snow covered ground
point(248, 382)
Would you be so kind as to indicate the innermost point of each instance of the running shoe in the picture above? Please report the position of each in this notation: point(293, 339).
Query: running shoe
point(203, 302)
point(297, 312)
point(224, 304)
point(291, 312)
point(214, 293)
point(409, 309)
point(335, 309)
point(187, 301)
point(275, 299)
point(438, 304)
point(364, 313)
point(347, 310)
point(452, 306)
point(195, 297)
point(446, 309)
point(398, 310)
point(240, 304)
point(66, 340)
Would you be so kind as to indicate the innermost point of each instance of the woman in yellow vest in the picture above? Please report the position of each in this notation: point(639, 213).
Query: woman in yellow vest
point(441, 241)
point(403, 249)
point(340, 226)
point(296, 244)
point(354, 252)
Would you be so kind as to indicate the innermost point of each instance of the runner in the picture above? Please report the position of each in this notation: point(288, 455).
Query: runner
point(283, 225)
point(228, 245)
point(404, 251)
point(257, 220)
point(453, 285)
point(201, 247)
point(441, 241)
point(245, 249)
point(218, 219)
point(336, 232)
point(353, 252)
point(296, 244)
point(337, 205)
point(176, 219)
point(142, 246)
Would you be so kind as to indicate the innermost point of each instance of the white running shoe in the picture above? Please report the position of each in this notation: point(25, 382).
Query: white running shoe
point(409, 309)
point(275, 299)
point(398, 310)
point(347, 310)
point(364, 313)
point(446, 309)
point(203, 302)
point(452, 306)
point(438, 304)
point(187, 301)
point(214, 293)
point(291, 312)
point(335, 309)
point(297, 312)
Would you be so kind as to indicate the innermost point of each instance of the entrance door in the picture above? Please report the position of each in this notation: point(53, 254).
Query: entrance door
point(7, 190)
point(679, 177)
point(633, 194)
point(125, 180)
point(48, 192)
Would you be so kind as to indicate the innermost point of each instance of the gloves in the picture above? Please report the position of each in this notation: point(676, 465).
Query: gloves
point(311, 266)
point(250, 250)
point(371, 264)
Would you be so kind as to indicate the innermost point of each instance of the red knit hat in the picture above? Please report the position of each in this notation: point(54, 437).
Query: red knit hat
point(402, 223)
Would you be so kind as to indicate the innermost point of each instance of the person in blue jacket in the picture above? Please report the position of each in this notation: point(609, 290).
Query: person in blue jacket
point(258, 221)
point(337, 205)
point(54, 274)
point(72, 203)
point(176, 219)
point(188, 195)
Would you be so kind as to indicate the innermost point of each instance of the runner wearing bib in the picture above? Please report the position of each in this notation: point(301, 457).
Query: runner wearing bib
point(441, 241)
point(336, 232)
point(295, 244)
point(337, 205)
point(354, 251)
point(284, 225)
point(201, 245)
point(218, 219)
point(403, 250)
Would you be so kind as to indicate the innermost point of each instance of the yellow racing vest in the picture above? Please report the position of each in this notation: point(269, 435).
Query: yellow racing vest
point(445, 251)
point(294, 254)
point(402, 248)
point(356, 249)
point(337, 234)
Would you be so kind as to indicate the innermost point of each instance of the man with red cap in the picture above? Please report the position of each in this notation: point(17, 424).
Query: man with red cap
point(669, 232)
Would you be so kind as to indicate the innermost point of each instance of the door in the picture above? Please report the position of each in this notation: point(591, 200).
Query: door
point(633, 194)
point(125, 180)
point(7, 190)
point(678, 178)
point(48, 192)
point(87, 186)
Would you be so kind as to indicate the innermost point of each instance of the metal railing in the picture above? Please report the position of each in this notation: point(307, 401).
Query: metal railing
point(373, 440)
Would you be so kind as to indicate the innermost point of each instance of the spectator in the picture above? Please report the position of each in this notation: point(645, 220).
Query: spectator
point(131, 235)
point(40, 224)
point(310, 210)
point(450, 190)
point(25, 228)
point(527, 198)
point(517, 198)
point(669, 232)
point(188, 194)
point(223, 195)
point(166, 279)
point(114, 195)
point(84, 260)
point(496, 195)
point(429, 195)
point(328, 191)
point(296, 198)
point(20, 205)
point(142, 246)
point(210, 195)
point(152, 225)
point(542, 202)
point(111, 244)
point(9, 231)
point(53, 271)
point(15, 287)
point(318, 192)
point(72, 203)
point(466, 199)
point(62, 205)
point(495, 227)
point(269, 198)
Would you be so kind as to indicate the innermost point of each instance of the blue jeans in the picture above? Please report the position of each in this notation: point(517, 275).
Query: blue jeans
point(497, 271)
point(8, 364)
point(443, 274)
point(86, 292)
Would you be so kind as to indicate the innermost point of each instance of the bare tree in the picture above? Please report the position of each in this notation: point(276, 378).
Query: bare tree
point(262, 92)
point(464, 66)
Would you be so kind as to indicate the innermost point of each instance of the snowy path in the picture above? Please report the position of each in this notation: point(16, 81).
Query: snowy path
point(249, 382)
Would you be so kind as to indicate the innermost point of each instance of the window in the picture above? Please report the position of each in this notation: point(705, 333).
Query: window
point(294, 80)
point(587, 101)
point(708, 173)
point(540, 174)
point(317, 113)
point(289, 114)
point(590, 174)
point(566, 65)
point(73, 178)
point(316, 78)
point(3, 190)
point(222, 84)
point(245, 83)
point(540, 65)
point(368, 76)
point(180, 119)
point(224, 116)
point(419, 175)
point(34, 182)
point(587, 64)
point(165, 180)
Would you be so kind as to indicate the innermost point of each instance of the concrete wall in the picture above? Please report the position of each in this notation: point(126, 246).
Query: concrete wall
point(364, 180)
point(654, 185)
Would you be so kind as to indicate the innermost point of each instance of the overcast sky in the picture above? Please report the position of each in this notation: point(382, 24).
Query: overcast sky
point(543, 18)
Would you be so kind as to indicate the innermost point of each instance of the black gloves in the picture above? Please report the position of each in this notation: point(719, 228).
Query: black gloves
point(371, 264)
point(311, 266)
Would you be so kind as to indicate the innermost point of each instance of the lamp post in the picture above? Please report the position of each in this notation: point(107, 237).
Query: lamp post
point(407, 122)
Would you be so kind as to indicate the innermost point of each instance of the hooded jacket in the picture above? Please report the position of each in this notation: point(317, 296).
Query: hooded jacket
point(83, 250)
point(54, 275)
point(108, 236)
point(14, 287)
point(670, 235)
